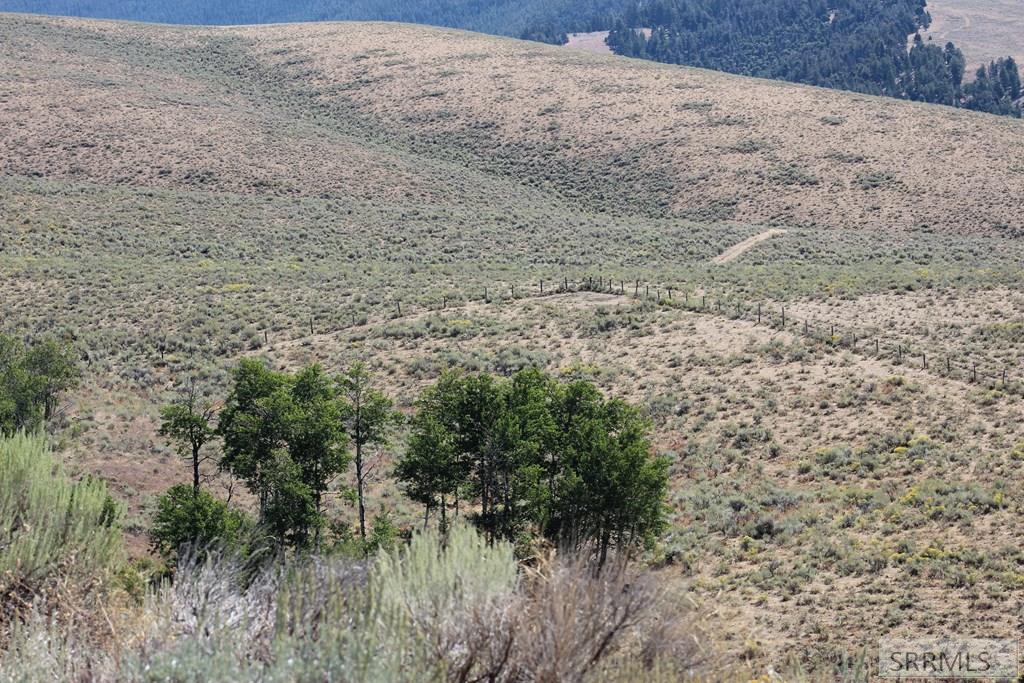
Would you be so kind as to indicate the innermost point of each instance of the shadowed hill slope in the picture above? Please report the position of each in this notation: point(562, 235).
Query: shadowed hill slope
point(374, 111)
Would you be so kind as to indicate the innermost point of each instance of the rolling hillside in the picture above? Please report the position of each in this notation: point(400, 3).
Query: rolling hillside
point(173, 199)
point(502, 17)
point(623, 136)
point(866, 46)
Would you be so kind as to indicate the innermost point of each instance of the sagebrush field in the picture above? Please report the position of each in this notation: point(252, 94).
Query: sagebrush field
point(175, 199)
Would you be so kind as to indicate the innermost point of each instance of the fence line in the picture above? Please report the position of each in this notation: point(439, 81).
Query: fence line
point(696, 300)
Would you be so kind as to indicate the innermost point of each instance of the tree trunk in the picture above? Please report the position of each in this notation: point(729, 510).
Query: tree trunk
point(359, 491)
point(195, 470)
point(603, 557)
point(316, 535)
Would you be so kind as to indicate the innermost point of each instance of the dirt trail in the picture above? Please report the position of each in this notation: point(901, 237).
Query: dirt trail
point(737, 250)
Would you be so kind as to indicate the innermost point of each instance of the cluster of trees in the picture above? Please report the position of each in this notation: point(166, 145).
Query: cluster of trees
point(530, 455)
point(520, 458)
point(32, 378)
point(856, 45)
point(996, 88)
point(287, 438)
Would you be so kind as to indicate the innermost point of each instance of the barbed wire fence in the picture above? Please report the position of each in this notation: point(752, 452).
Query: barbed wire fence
point(869, 342)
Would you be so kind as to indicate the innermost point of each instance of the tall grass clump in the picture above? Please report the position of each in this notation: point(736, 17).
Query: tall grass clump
point(60, 543)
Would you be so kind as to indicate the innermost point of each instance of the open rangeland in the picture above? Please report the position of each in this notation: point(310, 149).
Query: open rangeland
point(595, 42)
point(984, 29)
point(175, 199)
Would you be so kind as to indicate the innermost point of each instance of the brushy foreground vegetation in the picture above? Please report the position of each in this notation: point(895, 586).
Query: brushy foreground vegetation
point(450, 608)
point(60, 541)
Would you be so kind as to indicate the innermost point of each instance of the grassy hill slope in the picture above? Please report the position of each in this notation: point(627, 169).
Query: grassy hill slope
point(502, 17)
point(175, 198)
point(262, 176)
point(621, 135)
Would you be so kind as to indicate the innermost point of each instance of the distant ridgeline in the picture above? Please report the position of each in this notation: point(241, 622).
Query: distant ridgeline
point(502, 17)
point(858, 45)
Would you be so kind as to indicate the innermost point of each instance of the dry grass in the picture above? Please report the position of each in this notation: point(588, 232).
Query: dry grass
point(594, 41)
point(614, 131)
point(983, 29)
point(890, 494)
point(694, 140)
point(169, 195)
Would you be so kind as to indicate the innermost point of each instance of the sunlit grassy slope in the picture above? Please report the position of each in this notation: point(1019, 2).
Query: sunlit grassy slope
point(175, 198)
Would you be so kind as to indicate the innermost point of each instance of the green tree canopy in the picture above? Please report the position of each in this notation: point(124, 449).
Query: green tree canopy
point(185, 516)
point(187, 423)
point(283, 437)
point(32, 378)
point(367, 415)
point(537, 456)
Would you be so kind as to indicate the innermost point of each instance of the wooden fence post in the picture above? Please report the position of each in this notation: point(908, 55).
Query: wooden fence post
point(311, 325)
point(398, 305)
point(783, 317)
point(758, 312)
point(542, 287)
point(924, 360)
point(974, 372)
